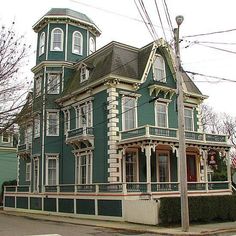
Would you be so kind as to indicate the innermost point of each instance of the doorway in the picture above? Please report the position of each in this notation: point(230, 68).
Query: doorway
point(191, 168)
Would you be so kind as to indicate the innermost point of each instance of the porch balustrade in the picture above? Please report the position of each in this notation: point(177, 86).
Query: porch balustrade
point(169, 133)
point(26, 147)
point(83, 131)
point(126, 188)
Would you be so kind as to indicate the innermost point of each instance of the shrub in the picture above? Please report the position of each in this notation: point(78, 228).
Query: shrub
point(201, 209)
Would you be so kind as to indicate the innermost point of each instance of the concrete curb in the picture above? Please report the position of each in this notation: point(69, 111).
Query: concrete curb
point(195, 230)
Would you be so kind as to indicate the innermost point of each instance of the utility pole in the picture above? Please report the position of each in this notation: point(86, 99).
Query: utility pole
point(181, 129)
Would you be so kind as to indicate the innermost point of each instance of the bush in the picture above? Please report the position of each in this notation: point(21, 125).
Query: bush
point(201, 209)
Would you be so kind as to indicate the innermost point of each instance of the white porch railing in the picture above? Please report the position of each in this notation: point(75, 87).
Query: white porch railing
point(125, 188)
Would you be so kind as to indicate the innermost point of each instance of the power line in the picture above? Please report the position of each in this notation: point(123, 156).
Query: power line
point(210, 33)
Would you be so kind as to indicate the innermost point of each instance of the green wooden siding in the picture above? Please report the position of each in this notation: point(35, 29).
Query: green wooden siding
point(110, 207)
point(85, 206)
point(35, 203)
point(66, 205)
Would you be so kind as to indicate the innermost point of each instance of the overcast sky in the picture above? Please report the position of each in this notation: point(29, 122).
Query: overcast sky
point(201, 16)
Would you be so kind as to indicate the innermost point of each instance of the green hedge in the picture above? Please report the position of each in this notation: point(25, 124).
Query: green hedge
point(201, 209)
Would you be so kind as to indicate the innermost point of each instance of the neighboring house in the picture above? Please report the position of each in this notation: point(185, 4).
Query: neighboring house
point(8, 157)
point(100, 128)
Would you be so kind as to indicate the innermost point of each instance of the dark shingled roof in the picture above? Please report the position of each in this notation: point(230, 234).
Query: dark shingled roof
point(119, 60)
point(189, 84)
point(69, 12)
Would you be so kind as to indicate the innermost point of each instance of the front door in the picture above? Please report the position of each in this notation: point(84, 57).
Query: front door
point(191, 168)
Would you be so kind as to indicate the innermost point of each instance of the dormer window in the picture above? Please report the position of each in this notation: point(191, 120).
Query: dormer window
point(57, 40)
point(91, 45)
point(42, 44)
point(77, 43)
point(159, 69)
point(84, 74)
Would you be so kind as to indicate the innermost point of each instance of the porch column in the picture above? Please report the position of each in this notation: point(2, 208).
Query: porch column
point(148, 166)
point(204, 157)
point(178, 163)
point(228, 169)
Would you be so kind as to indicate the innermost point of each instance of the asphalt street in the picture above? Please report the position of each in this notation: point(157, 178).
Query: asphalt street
point(21, 226)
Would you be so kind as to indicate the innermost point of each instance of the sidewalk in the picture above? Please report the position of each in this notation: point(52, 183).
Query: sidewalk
point(228, 228)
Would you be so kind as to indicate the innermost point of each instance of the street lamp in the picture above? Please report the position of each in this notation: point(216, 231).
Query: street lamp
point(182, 148)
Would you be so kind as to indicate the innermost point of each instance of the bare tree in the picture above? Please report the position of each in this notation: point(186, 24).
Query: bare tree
point(13, 57)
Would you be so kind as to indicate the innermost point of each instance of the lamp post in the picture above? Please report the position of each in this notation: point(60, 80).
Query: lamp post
point(182, 148)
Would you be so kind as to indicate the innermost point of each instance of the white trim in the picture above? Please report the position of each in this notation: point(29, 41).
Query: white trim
point(67, 111)
point(158, 153)
point(57, 122)
point(131, 150)
point(91, 40)
point(38, 91)
point(167, 113)
point(66, 43)
point(28, 165)
point(37, 117)
point(81, 43)
point(50, 90)
point(52, 40)
point(84, 74)
point(8, 137)
point(36, 188)
point(47, 49)
point(52, 157)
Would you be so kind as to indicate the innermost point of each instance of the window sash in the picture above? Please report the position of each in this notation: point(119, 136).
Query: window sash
point(37, 86)
point(37, 126)
point(91, 45)
point(84, 115)
point(53, 83)
point(163, 167)
point(57, 36)
point(84, 169)
point(27, 171)
point(77, 43)
point(53, 123)
point(131, 166)
point(42, 43)
point(188, 119)
point(36, 176)
point(52, 171)
point(161, 115)
point(159, 69)
point(129, 112)
point(6, 138)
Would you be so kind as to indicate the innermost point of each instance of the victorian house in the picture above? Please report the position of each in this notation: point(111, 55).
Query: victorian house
point(100, 129)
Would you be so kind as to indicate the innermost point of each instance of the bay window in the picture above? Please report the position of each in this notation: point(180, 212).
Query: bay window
point(52, 123)
point(53, 83)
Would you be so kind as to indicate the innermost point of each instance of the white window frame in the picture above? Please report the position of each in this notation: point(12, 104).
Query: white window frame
point(166, 114)
point(57, 123)
point(124, 102)
point(80, 51)
point(89, 173)
point(166, 153)
point(28, 171)
point(92, 45)
point(8, 137)
point(89, 114)
point(66, 121)
point(42, 43)
point(56, 158)
point(192, 117)
point(37, 126)
point(84, 74)
point(159, 66)
point(61, 40)
point(38, 86)
point(136, 164)
point(36, 178)
point(56, 87)
point(28, 134)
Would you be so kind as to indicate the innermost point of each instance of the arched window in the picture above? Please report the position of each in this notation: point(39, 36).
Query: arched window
point(77, 43)
point(57, 40)
point(91, 45)
point(42, 44)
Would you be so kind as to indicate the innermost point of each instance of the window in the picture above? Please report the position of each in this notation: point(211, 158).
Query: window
point(84, 115)
point(53, 83)
point(131, 166)
point(84, 74)
point(53, 123)
point(36, 126)
point(37, 86)
point(159, 69)
point(27, 171)
point(57, 40)
point(129, 112)
point(66, 121)
point(36, 175)
point(163, 167)
point(77, 43)
point(161, 114)
point(84, 168)
point(91, 45)
point(52, 170)
point(6, 138)
point(28, 134)
point(188, 119)
point(41, 43)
